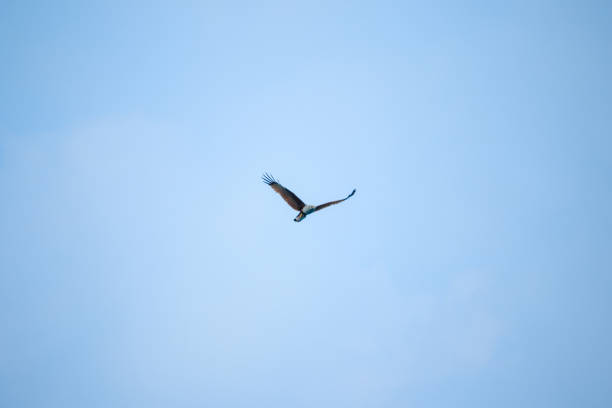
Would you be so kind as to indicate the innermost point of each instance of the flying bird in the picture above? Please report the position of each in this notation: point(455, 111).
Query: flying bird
point(295, 202)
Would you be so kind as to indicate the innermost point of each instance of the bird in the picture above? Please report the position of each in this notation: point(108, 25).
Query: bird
point(295, 202)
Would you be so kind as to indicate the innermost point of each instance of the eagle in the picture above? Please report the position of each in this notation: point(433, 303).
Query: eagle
point(294, 201)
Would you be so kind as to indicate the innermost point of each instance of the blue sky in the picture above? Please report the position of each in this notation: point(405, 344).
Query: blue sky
point(143, 262)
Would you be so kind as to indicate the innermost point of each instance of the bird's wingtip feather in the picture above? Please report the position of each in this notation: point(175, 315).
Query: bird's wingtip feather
point(268, 179)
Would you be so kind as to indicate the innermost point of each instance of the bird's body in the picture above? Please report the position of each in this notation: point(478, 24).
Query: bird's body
point(304, 212)
point(308, 209)
point(295, 202)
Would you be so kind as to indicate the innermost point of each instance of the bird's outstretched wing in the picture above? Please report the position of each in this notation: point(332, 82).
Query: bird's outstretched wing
point(291, 199)
point(322, 206)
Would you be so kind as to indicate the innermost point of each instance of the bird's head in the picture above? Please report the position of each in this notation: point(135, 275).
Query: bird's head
point(299, 217)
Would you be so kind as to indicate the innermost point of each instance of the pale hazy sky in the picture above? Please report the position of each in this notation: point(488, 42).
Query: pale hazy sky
point(143, 263)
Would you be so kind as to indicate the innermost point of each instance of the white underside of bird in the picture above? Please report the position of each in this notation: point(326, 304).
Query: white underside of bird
point(308, 209)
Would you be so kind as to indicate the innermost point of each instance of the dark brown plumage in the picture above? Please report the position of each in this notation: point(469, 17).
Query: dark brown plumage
point(322, 206)
point(291, 199)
